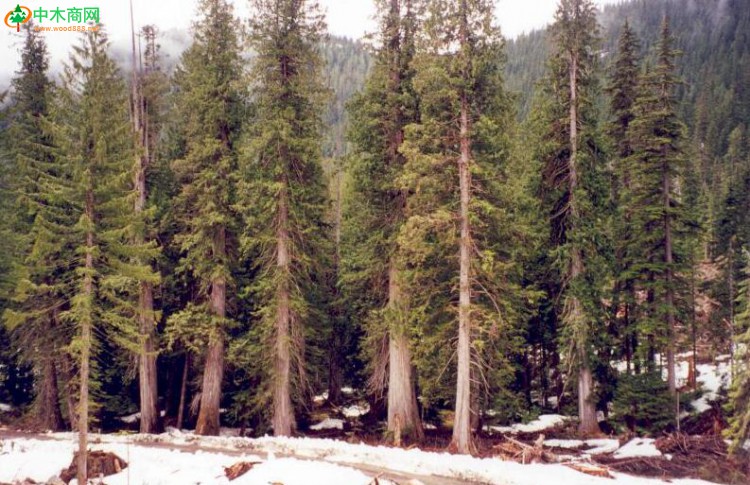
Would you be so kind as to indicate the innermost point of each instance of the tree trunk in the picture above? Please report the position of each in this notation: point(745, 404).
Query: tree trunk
point(213, 372)
point(85, 346)
point(69, 392)
point(48, 404)
point(147, 378)
point(403, 414)
point(462, 419)
point(283, 414)
point(183, 391)
point(586, 407)
point(669, 260)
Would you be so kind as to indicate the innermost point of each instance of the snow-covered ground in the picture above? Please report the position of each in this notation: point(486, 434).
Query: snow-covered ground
point(5, 408)
point(42, 459)
point(543, 422)
point(315, 461)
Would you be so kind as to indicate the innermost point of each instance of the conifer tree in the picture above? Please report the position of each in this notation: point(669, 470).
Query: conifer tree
point(39, 183)
point(210, 105)
point(93, 130)
point(462, 211)
point(283, 194)
point(573, 190)
point(623, 90)
point(379, 116)
point(658, 164)
point(143, 134)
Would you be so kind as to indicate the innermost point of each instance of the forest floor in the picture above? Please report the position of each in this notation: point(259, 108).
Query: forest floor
point(344, 445)
point(182, 458)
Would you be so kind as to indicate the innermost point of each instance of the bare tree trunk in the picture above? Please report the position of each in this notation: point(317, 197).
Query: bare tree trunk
point(283, 414)
point(586, 407)
point(213, 371)
point(462, 419)
point(85, 348)
point(147, 378)
point(47, 402)
point(669, 260)
point(69, 391)
point(403, 414)
point(183, 392)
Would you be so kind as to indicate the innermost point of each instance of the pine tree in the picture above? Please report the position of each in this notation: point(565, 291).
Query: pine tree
point(41, 218)
point(283, 194)
point(92, 127)
point(573, 190)
point(379, 116)
point(623, 90)
point(658, 164)
point(210, 105)
point(458, 241)
point(144, 133)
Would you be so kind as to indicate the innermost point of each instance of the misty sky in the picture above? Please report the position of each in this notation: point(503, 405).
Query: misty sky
point(351, 18)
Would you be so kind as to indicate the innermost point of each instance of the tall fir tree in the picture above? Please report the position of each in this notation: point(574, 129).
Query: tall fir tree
point(284, 197)
point(210, 106)
point(623, 90)
point(463, 208)
point(379, 116)
point(661, 221)
point(143, 135)
point(93, 130)
point(574, 190)
point(41, 218)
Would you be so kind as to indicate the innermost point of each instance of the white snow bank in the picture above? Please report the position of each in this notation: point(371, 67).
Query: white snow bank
point(461, 467)
point(712, 378)
point(300, 472)
point(328, 423)
point(356, 410)
point(595, 446)
point(638, 447)
point(544, 421)
point(42, 459)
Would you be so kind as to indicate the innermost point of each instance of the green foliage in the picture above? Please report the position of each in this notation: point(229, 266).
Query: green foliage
point(642, 403)
point(282, 194)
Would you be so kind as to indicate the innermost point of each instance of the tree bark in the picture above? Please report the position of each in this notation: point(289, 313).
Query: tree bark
point(48, 404)
point(586, 408)
point(403, 414)
point(147, 377)
point(462, 419)
point(213, 372)
point(183, 392)
point(283, 414)
point(85, 346)
point(669, 260)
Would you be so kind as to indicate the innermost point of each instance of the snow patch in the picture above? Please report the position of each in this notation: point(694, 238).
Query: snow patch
point(356, 410)
point(5, 408)
point(328, 423)
point(543, 422)
point(595, 446)
point(712, 379)
point(638, 447)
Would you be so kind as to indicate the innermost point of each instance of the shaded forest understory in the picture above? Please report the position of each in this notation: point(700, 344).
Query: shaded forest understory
point(442, 230)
